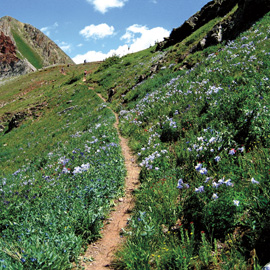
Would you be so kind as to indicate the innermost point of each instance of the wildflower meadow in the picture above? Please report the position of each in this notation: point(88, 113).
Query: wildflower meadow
point(202, 139)
point(54, 204)
point(201, 136)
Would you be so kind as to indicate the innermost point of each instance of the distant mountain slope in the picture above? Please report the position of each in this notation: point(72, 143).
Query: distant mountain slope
point(24, 48)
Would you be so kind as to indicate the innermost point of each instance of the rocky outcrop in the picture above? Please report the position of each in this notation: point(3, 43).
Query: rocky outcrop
point(10, 64)
point(7, 47)
point(47, 49)
point(15, 120)
point(247, 12)
point(14, 61)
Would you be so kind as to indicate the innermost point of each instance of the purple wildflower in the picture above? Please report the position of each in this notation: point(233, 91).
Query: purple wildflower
point(180, 182)
point(253, 181)
point(232, 151)
point(198, 167)
point(199, 189)
point(203, 171)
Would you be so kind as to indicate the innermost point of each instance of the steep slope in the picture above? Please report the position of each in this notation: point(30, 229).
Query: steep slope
point(222, 20)
point(201, 136)
point(24, 48)
point(202, 140)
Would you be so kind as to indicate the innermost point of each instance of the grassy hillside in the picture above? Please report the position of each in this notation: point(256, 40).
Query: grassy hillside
point(202, 140)
point(60, 171)
point(26, 51)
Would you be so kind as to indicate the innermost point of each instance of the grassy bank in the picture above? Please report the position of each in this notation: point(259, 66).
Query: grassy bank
point(60, 172)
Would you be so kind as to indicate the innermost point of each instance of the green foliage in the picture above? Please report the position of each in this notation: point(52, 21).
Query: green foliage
point(202, 141)
point(60, 175)
point(27, 51)
point(208, 129)
point(115, 59)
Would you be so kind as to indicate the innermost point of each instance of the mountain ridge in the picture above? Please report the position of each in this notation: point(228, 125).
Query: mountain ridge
point(33, 49)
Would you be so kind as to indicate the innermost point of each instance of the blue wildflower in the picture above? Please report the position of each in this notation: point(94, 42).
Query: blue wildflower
point(236, 202)
point(198, 167)
point(199, 189)
point(203, 171)
point(187, 186)
point(228, 183)
point(253, 181)
point(179, 184)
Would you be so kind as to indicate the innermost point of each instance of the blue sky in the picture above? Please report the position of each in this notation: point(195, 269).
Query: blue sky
point(93, 30)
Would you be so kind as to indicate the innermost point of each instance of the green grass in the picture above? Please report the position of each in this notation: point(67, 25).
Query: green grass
point(202, 141)
point(60, 172)
point(27, 51)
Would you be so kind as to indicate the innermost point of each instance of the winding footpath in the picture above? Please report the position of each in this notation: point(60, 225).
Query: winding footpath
point(102, 251)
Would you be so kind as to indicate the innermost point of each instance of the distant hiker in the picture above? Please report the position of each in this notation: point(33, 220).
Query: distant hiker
point(110, 94)
point(84, 61)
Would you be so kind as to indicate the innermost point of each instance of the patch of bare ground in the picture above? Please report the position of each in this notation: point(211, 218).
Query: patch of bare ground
point(100, 254)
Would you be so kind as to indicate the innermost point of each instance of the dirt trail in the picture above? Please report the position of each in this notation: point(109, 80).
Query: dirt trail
point(103, 250)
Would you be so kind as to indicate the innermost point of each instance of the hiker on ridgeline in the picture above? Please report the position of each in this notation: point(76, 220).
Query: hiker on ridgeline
point(110, 94)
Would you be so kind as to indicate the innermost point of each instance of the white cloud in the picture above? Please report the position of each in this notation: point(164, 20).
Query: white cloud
point(103, 5)
point(93, 56)
point(140, 37)
point(90, 56)
point(97, 31)
point(65, 47)
point(137, 38)
point(47, 29)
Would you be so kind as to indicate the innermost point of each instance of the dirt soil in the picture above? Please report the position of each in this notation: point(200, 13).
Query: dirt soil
point(100, 254)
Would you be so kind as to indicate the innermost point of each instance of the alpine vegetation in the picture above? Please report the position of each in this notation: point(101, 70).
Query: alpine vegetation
point(199, 123)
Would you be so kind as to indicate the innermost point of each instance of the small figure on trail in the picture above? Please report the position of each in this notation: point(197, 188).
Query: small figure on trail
point(84, 75)
point(110, 94)
point(63, 71)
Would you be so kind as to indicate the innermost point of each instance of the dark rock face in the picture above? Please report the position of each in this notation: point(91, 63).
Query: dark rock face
point(247, 13)
point(210, 11)
point(46, 51)
point(16, 120)
point(9, 63)
point(7, 49)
